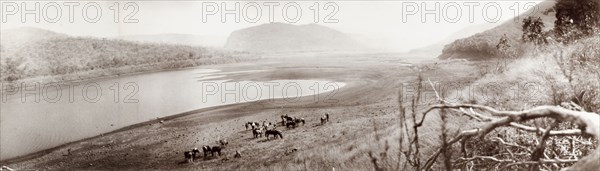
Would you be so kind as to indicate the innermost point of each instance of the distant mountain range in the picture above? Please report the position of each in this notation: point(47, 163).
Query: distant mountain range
point(280, 37)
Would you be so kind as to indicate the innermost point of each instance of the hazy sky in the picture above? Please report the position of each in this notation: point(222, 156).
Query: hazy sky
point(398, 24)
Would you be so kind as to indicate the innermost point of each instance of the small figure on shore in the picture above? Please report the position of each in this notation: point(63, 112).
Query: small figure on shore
point(237, 154)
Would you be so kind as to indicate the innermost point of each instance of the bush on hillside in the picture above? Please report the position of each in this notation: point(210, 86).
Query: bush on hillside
point(576, 19)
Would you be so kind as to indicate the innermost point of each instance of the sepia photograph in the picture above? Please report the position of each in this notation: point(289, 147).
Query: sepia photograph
point(300, 85)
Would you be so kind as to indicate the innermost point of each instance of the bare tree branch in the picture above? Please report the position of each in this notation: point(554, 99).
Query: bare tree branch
point(590, 122)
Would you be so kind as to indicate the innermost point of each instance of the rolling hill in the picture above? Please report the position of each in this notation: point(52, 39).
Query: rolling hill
point(31, 52)
point(280, 37)
point(483, 45)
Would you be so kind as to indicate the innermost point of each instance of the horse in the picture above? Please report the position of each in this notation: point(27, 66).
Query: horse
point(237, 154)
point(195, 151)
point(223, 142)
point(295, 122)
point(257, 132)
point(283, 118)
point(216, 149)
point(275, 133)
point(288, 118)
point(251, 125)
point(206, 149)
point(325, 119)
point(290, 124)
point(188, 156)
point(299, 120)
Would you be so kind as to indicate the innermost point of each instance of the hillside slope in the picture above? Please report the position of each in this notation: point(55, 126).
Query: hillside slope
point(178, 39)
point(483, 45)
point(15, 38)
point(280, 37)
point(29, 53)
point(436, 49)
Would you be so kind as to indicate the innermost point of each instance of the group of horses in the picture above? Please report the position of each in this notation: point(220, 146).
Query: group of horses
point(291, 122)
point(265, 129)
point(258, 130)
point(192, 155)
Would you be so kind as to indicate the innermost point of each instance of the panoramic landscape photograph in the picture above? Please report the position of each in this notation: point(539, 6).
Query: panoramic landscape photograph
point(300, 85)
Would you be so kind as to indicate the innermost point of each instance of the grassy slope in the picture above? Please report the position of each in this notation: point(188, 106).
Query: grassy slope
point(544, 70)
point(483, 45)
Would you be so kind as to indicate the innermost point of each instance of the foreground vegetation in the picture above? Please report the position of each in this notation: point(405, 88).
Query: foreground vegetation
point(536, 106)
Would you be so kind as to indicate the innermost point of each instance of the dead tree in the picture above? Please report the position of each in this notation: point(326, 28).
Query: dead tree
point(589, 124)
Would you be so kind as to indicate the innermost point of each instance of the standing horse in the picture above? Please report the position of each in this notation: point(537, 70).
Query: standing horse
point(294, 122)
point(289, 118)
point(223, 142)
point(291, 124)
point(251, 125)
point(195, 151)
point(216, 149)
point(325, 119)
point(257, 132)
point(283, 118)
point(299, 120)
point(188, 156)
point(275, 133)
point(206, 149)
